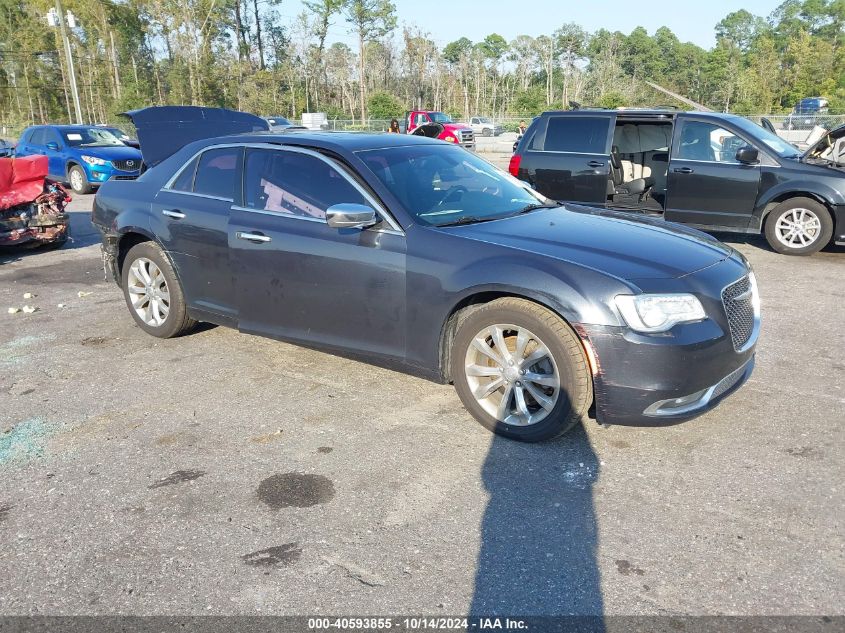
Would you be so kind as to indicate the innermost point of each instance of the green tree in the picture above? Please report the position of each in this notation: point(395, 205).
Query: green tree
point(371, 19)
point(383, 105)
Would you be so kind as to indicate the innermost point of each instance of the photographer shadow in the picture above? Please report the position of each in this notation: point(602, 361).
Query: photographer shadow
point(539, 533)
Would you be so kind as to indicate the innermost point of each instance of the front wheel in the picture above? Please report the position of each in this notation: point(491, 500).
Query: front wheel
point(799, 226)
point(78, 180)
point(520, 370)
point(487, 132)
point(153, 293)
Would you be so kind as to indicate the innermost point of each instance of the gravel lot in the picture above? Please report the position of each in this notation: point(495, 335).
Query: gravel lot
point(224, 473)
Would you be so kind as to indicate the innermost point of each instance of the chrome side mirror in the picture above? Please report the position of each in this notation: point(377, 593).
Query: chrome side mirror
point(349, 215)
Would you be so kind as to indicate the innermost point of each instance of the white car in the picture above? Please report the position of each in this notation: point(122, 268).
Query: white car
point(484, 126)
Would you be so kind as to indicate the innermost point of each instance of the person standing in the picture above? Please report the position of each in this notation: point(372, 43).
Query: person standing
point(394, 127)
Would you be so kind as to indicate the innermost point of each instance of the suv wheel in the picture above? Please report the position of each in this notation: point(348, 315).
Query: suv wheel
point(520, 370)
point(153, 293)
point(799, 226)
point(487, 132)
point(78, 180)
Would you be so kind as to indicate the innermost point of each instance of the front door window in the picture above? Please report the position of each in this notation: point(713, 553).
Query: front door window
point(708, 142)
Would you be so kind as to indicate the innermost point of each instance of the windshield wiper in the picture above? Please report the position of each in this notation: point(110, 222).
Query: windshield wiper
point(467, 219)
point(533, 207)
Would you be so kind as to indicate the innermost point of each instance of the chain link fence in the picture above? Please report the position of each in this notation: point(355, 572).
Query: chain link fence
point(791, 127)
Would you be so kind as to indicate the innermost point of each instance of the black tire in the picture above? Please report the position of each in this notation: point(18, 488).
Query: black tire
point(81, 186)
point(774, 234)
point(177, 322)
point(487, 132)
point(575, 391)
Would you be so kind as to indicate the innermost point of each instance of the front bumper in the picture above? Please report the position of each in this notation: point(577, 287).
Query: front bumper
point(664, 381)
point(98, 174)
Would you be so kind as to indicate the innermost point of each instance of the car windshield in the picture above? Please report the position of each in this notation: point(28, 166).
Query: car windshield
point(772, 141)
point(443, 184)
point(278, 120)
point(439, 117)
point(90, 137)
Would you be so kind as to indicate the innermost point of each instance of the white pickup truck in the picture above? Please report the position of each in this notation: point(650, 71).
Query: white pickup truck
point(484, 126)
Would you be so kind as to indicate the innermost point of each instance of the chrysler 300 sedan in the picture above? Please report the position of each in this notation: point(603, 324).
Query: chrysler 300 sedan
point(417, 255)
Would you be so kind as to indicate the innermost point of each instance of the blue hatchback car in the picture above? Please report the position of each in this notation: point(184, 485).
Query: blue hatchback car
point(83, 155)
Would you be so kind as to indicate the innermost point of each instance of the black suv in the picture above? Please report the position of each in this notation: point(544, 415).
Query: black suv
point(717, 172)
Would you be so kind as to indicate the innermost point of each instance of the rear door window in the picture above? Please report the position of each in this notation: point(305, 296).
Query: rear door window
point(216, 172)
point(185, 180)
point(575, 134)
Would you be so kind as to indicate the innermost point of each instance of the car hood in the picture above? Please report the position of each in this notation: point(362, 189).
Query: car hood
point(113, 152)
point(623, 245)
point(164, 130)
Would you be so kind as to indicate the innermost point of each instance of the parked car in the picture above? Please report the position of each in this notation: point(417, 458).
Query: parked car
point(84, 155)
point(418, 255)
point(485, 126)
point(438, 125)
point(808, 113)
point(281, 123)
point(716, 172)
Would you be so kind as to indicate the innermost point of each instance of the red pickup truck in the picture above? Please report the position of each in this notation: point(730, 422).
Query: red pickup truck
point(439, 125)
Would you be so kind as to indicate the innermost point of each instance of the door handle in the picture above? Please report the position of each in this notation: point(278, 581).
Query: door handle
point(253, 237)
point(173, 213)
point(596, 163)
point(683, 170)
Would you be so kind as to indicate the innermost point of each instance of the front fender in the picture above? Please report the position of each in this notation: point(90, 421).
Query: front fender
point(821, 191)
point(577, 294)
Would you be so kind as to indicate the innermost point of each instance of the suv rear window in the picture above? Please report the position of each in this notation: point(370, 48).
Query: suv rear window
point(578, 134)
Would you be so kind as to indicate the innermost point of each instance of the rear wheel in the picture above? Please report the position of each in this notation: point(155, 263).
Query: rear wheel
point(799, 226)
point(520, 370)
point(78, 180)
point(153, 293)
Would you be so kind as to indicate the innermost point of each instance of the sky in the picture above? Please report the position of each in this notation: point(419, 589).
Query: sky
point(691, 21)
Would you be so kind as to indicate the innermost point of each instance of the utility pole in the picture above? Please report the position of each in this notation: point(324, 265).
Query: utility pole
point(56, 17)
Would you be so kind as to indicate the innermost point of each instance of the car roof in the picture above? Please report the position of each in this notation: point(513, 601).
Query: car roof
point(337, 141)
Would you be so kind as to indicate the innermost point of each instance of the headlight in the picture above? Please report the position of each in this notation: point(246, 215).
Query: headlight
point(658, 313)
point(450, 139)
point(93, 160)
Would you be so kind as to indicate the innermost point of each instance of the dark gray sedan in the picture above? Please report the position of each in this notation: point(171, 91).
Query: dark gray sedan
point(418, 255)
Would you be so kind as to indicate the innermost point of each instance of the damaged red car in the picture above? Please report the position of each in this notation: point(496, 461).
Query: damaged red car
point(32, 208)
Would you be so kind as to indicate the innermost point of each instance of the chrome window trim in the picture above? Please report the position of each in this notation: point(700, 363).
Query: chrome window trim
point(293, 216)
point(199, 195)
point(379, 208)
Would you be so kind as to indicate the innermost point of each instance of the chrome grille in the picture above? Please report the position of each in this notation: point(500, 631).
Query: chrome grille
point(467, 136)
point(738, 300)
point(728, 382)
point(127, 165)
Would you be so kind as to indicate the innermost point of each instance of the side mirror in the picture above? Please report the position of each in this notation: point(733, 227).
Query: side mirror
point(748, 155)
point(52, 145)
point(350, 216)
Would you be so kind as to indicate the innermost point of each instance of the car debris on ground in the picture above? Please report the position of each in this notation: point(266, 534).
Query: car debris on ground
point(32, 208)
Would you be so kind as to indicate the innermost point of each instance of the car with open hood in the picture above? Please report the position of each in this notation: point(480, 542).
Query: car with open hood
point(716, 172)
point(417, 255)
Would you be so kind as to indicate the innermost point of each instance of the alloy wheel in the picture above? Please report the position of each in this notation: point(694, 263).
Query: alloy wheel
point(512, 374)
point(798, 228)
point(148, 292)
point(76, 181)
